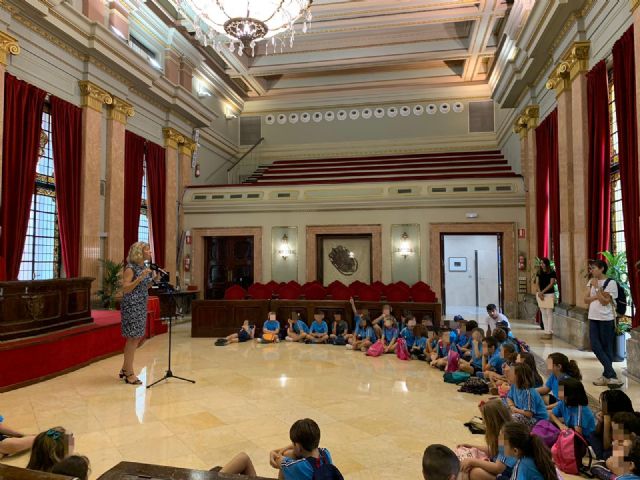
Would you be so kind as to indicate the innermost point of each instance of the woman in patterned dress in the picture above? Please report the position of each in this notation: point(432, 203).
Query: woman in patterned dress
point(136, 281)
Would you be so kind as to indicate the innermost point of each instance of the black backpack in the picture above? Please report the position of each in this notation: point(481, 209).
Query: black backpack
point(621, 300)
point(474, 385)
point(323, 470)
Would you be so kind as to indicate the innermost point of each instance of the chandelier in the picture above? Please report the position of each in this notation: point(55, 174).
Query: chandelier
point(243, 24)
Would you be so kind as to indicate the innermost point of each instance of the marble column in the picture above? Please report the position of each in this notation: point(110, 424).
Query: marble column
point(8, 46)
point(117, 116)
point(93, 100)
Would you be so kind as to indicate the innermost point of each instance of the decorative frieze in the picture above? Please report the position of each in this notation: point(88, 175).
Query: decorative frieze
point(94, 96)
point(8, 46)
point(120, 110)
point(527, 120)
point(573, 63)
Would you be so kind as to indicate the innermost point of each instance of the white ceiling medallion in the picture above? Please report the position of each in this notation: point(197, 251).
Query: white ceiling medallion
point(405, 111)
point(305, 117)
point(392, 112)
point(293, 118)
point(458, 107)
point(445, 107)
point(378, 112)
point(342, 114)
point(282, 119)
point(432, 108)
point(418, 110)
point(317, 117)
point(329, 116)
point(354, 114)
point(270, 119)
point(366, 113)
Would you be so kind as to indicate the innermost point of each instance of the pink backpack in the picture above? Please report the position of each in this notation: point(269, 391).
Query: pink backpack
point(569, 450)
point(453, 359)
point(376, 349)
point(402, 351)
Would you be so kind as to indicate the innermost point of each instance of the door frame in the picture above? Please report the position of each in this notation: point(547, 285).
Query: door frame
point(499, 254)
point(509, 256)
point(199, 257)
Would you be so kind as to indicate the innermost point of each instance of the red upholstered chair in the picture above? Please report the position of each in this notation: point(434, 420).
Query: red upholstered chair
point(378, 286)
point(356, 286)
point(289, 291)
point(395, 293)
point(272, 286)
point(369, 294)
point(235, 292)
point(402, 285)
point(340, 293)
point(259, 291)
point(421, 292)
point(314, 291)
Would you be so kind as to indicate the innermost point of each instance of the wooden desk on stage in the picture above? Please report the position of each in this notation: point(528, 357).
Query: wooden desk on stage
point(217, 318)
point(30, 308)
point(131, 471)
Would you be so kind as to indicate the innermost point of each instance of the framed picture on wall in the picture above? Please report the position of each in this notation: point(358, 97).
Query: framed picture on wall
point(346, 258)
point(457, 264)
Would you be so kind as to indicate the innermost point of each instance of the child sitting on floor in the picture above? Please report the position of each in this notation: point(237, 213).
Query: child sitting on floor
point(529, 359)
point(339, 330)
point(75, 466)
point(440, 356)
point(245, 334)
point(389, 334)
point(533, 458)
point(559, 368)
point(270, 329)
point(525, 402)
point(407, 331)
point(474, 363)
point(611, 403)
point(491, 359)
point(319, 331)
point(12, 441)
point(49, 448)
point(508, 356)
point(572, 411)
point(297, 330)
point(440, 463)
point(363, 336)
point(419, 348)
point(378, 322)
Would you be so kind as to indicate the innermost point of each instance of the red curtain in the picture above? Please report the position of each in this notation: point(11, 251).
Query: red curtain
point(548, 189)
point(133, 170)
point(23, 104)
point(599, 186)
point(624, 79)
point(66, 128)
point(156, 188)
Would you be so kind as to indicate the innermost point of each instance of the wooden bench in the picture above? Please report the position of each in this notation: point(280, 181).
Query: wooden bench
point(7, 472)
point(139, 471)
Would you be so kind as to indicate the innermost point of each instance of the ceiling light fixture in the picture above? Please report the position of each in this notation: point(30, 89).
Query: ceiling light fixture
point(242, 24)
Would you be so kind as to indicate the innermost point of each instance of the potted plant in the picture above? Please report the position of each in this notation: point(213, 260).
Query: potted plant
point(617, 271)
point(111, 283)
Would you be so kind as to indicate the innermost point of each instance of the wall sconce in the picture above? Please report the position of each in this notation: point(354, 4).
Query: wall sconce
point(405, 247)
point(229, 114)
point(201, 89)
point(285, 250)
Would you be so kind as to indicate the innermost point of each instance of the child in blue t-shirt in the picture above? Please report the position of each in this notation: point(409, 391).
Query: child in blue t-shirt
point(573, 410)
point(319, 331)
point(297, 330)
point(407, 331)
point(270, 329)
point(491, 359)
point(389, 334)
point(559, 367)
point(533, 457)
point(245, 334)
point(525, 402)
point(440, 355)
point(363, 335)
point(419, 348)
point(474, 364)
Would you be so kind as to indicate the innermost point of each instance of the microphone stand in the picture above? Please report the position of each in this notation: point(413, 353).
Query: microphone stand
point(169, 374)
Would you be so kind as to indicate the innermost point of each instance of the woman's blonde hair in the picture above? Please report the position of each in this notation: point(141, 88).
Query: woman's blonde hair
point(135, 252)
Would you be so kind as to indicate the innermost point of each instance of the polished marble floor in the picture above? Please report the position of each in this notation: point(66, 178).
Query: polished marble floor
point(376, 414)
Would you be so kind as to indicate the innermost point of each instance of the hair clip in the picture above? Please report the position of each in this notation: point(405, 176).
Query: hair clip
point(55, 434)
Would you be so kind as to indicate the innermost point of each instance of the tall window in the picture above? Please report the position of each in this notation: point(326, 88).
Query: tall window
point(143, 225)
point(617, 218)
point(41, 254)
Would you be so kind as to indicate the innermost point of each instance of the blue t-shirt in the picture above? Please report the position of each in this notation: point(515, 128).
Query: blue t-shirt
point(421, 343)
point(300, 468)
point(408, 336)
point(511, 341)
point(501, 457)
point(300, 326)
point(496, 361)
point(462, 340)
point(529, 400)
point(525, 469)
point(476, 361)
point(390, 334)
point(553, 383)
point(443, 350)
point(319, 327)
point(572, 417)
point(271, 325)
point(628, 476)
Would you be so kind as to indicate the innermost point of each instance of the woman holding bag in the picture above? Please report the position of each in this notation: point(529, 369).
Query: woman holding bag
point(546, 280)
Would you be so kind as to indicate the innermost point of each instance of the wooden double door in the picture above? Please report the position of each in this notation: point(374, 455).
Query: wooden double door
point(229, 262)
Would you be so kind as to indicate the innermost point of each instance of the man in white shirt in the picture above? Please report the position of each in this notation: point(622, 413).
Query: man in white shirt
point(602, 315)
point(494, 318)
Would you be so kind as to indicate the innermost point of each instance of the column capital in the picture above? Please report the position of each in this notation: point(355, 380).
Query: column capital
point(173, 138)
point(634, 5)
point(574, 62)
point(187, 147)
point(94, 96)
point(120, 110)
point(527, 120)
point(8, 46)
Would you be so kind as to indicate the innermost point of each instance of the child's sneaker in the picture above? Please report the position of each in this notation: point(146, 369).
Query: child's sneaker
point(288, 339)
point(259, 340)
point(349, 346)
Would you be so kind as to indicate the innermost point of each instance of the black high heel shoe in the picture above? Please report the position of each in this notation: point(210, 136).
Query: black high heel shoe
point(137, 381)
point(122, 374)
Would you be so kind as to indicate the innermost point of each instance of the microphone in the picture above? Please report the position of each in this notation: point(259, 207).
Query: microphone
point(156, 268)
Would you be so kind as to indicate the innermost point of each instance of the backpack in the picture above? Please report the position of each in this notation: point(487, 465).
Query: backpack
point(456, 377)
point(323, 470)
point(453, 360)
point(474, 385)
point(569, 450)
point(524, 347)
point(376, 349)
point(402, 351)
point(621, 299)
point(547, 432)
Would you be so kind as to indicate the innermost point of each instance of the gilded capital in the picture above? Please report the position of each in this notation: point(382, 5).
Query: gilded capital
point(8, 46)
point(559, 79)
point(634, 5)
point(187, 147)
point(120, 110)
point(94, 96)
point(574, 62)
point(173, 138)
point(527, 120)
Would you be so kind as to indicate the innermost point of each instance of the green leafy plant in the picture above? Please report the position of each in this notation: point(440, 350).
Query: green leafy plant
point(111, 283)
point(623, 325)
point(617, 269)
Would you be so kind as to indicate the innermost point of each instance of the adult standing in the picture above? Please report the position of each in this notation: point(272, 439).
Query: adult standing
point(602, 315)
point(136, 281)
point(546, 280)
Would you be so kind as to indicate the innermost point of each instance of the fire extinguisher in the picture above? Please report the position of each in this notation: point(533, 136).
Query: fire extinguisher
point(187, 263)
point(188, 237)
